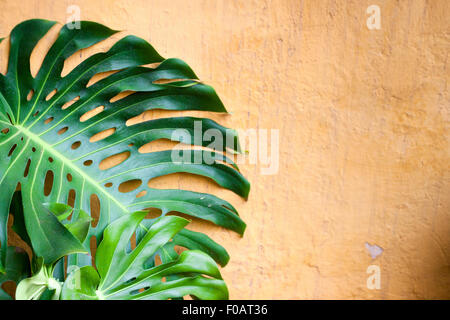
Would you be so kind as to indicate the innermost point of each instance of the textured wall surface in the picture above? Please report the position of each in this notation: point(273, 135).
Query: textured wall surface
point(363, 118)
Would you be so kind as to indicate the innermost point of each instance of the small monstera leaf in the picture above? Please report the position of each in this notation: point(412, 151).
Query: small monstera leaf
point(45, 135)
point(124, 274)
point(17, 268)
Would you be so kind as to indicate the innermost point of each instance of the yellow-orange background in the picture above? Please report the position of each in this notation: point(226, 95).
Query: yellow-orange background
point(364, 126)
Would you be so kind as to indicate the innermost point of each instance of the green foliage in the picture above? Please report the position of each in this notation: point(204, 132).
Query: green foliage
point(131, 274)
point(45, 140)
point(17, 268)
point(122, 273)
point(33, 288)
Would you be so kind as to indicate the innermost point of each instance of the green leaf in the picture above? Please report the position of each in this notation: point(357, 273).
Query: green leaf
point(43, 138)
point(81, 284)
point(187, 267)
point(199, 287)
point(199, 241)
point(122, 273)
point(19, 219)
point(52, 240)
point(80, 227)
point(17, 268)
point(190, 240)
point(117, 265)
point(61, 211)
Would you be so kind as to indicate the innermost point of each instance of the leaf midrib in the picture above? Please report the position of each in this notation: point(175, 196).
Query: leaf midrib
point(57, 155)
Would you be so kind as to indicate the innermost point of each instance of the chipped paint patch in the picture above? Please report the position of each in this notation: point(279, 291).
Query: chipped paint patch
point(374, 250)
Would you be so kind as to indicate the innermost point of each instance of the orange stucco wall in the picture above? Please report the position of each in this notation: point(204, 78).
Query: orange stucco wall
point(363, 119)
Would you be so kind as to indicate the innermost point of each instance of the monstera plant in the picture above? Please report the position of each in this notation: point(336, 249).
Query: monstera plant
point(48, 155)
point(126, 273)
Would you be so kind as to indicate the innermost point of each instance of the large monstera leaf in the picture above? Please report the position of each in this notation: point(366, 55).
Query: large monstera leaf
point(43, 133)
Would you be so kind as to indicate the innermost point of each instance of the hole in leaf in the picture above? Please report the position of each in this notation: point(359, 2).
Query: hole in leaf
point(153, 213)
point(166, 81)
point(141, 194)
point(50, 159)
point(95, 209)
point(161, 145)
point(121, 95)
point(102, 135)
point(30, 95)
point(100, 76)
point(93, 247)
point(157, 260)
point(69, 177)
point(33, 149)
point(108, 185)
point(132, 242)
point(130, 185)
point(136, 119)
point(12, 150)
point(27, 168)
point(153, 65)
point(76, 145)
point(48, 183)
point(87, 163)
point(70, 215)
point(79, 56)
point(51, 94)
point(71, 198)
point(69, 103)
point(114, 160)
point(66, 261)
point(179, 249)
point(9, 287)
point(48, 120)
point(157, 114)
point(42, 47)
point(63, 130)
point(187, 181)
point(91, 113)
